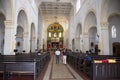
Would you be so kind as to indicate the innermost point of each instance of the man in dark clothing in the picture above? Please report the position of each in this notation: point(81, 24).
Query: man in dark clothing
point(88, 59)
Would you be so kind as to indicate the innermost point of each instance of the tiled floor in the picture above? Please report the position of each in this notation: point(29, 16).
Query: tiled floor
point(60, 71)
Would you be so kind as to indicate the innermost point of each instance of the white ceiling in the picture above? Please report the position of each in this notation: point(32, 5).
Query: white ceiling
point(55, 7)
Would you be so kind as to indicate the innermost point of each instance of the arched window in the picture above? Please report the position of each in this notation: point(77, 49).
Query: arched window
point(78, 5)
point(113, 31)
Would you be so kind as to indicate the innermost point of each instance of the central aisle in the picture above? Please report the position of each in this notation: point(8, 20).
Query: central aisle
point(60, 71)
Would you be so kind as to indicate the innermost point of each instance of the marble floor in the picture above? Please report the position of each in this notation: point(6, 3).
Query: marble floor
point(60, 71)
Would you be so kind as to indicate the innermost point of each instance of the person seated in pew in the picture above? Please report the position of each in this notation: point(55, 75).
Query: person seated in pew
point(39, 52)
point(88, 59)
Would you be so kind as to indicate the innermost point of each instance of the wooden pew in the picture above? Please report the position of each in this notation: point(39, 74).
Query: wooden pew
point(13, 65)
point(1, 71)
point(96, 71)
point(105, 71)
point(25, 63)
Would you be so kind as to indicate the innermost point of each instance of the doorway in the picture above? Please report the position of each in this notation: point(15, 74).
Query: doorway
point(116, 48)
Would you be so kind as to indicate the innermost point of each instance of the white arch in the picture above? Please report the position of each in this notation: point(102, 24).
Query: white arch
point(109, 7)
point(22, 21)
point(90, 21)
point(6, 8)
point(109, 16)
point(19, 39)
point(93, 38)
point(78, 37)
point(114, 22)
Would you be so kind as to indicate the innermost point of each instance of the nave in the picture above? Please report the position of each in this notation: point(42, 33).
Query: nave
point(60, 71)
point(34, 66)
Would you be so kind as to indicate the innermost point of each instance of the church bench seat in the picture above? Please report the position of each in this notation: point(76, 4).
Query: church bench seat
point(105, 71)
point(90, 69)
point(23, 64)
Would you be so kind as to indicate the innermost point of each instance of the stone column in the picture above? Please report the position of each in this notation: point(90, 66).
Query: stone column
point(81, 42)
point(33, 44)
point(100, 46)
point(77, 43)
point(105, 38)
point(8, 42)
point(86, 42)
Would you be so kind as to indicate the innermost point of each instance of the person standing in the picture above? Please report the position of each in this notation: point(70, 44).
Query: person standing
point(64, 56)
point(57, 53)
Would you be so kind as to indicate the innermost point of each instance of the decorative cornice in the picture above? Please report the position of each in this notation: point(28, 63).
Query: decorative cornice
point(104, 28)
point(8, 24)
point(104, 24)
point(85, 33)
point(25, 34)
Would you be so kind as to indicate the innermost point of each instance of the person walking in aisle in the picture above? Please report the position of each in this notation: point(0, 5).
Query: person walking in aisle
point(64, 56)
point(57, 53)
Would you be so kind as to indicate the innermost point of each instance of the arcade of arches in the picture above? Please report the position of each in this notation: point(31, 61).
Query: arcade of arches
point(87, 25)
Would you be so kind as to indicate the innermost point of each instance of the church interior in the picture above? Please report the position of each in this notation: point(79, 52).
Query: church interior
point(84, 32)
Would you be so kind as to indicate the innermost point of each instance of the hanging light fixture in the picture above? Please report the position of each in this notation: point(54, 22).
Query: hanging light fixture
point(55, 19)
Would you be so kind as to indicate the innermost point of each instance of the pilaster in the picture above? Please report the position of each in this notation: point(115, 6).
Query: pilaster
point(105, 38)
point(9, 43)
point(77, 41)
point(86, 42)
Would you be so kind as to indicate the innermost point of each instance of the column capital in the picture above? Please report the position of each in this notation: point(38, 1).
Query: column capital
point(33, 38)
point(104, 28)
point(86, 35)
point(104, 24)
point(25, 34)
point(8, 24)
point(77, 37)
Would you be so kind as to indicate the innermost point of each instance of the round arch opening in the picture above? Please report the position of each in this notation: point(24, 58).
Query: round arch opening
point(55, 36)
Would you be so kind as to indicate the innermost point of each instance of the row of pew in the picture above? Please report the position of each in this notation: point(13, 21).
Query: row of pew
point(95, 70)
point(31, 63)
